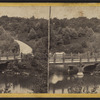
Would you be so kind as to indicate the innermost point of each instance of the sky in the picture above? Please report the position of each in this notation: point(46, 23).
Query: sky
point(43, 12)
point(75, 11)
point(26, 12)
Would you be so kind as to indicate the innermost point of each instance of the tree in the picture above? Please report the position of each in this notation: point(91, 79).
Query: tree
point(89, 32)
point(2, 31)
point(56, 23)
point(73, 33)
point(84, 44)
point(81, 32)
point(98, 28)
point(32, 34)
point(32, 18)
point(66, 35)
point(66, 38)
point(59, 39)
point(76, 48)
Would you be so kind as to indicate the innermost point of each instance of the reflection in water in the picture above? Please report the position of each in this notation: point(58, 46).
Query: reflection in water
point(15, 84)
point(56, 78)
point(74, 84)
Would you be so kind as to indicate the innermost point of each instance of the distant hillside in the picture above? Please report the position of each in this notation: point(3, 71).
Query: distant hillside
point(75, 35)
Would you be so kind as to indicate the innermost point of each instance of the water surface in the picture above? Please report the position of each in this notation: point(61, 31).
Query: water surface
point(15, 84)
point(61, 83)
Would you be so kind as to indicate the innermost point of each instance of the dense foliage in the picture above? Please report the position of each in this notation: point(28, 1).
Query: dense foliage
point(7, 43)
point(33, 32)
point(75, 35)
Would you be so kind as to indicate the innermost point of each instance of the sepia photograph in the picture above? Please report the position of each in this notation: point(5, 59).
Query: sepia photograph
point(23, 49)
point(74, 54)
point(49, 50)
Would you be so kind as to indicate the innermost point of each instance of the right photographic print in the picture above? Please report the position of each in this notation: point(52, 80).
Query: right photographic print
point(74, 49)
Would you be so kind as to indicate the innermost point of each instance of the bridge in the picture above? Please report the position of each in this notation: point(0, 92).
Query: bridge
point(10, 57)
point(61, 58)
point(24, 50)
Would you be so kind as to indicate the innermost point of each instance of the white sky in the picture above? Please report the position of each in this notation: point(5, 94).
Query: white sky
point(59, 12)
point(27, 12)
point(75, 11)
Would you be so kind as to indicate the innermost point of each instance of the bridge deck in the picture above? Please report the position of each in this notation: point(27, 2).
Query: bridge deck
point(63, 58)
point(10, 58)
point(74, 62)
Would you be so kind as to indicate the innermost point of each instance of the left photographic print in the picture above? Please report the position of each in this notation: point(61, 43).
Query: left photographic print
point(23, 49)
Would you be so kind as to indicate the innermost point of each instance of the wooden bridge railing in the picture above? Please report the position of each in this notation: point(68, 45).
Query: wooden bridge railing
point(75, 57)
point(7, 56)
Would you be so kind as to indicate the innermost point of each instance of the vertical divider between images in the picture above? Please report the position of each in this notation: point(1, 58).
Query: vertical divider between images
point(49, 30)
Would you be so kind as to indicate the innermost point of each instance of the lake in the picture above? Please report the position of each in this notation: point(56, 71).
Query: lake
point(15, 84)
point(63, 83)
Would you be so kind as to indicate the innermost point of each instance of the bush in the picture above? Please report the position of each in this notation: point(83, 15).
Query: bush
point(84, 44)
point(81, 32)
point(76, 48)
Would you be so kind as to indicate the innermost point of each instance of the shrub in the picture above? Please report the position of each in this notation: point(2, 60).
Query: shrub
point(76, 48)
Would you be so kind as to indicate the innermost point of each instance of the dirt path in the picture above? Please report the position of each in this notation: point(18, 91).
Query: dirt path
point(24, 48)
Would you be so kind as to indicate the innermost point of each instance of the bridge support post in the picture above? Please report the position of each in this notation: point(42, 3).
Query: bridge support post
point(88, 56)
point(80, 57)
point(21, 57)
point(80, 68)
point(14, 56)
point(54, 58)
point(7, 56)
point(95, 57)
point(72, 57)
point(64, 59)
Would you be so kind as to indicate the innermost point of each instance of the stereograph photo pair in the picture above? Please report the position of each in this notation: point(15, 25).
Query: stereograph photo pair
point(50, 48)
